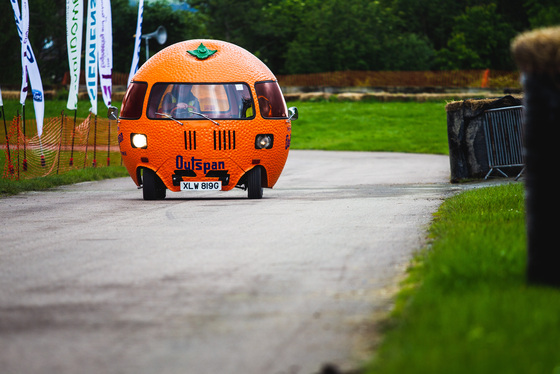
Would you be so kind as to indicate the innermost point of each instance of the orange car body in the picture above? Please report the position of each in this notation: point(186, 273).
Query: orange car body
point(204, 111)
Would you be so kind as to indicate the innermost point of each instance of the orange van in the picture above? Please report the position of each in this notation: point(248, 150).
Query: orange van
point(204, 115)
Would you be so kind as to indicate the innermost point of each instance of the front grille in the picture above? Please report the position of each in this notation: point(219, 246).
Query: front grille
point(190, 140)
point(224, 139)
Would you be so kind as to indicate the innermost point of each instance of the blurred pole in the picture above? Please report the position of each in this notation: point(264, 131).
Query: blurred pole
point(73, 134)
point(94, 163)
point(109, 144)
point(536, 54)
point(24, 165)
point(10, 166)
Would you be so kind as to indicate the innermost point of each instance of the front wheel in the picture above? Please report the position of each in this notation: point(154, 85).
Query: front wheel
point(254, 186)
point(153, 188)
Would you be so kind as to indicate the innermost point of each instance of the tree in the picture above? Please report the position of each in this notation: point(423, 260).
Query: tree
point(180, 25)
point(260, 26)
point(302, 36)
point(479, 39)
point(543, 13)
point(46, 34)
point(339, 35)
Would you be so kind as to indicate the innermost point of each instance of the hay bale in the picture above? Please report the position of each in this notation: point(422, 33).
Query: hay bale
point(351, 96)
point(477, 105)
point(292, 97)
point(315, 96)
point(465, 133)
point(538, 52)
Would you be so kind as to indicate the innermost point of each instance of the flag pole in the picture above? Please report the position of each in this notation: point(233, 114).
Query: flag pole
point(73, 134)
point(10, 165)
point(87, 138)
point(24, 166)
point(109, 144)
point(94, 164)
point(17, 144)
point(62, 117)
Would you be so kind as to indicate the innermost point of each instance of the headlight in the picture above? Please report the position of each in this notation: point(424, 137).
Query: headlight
point(264, 141)
point(139, 140)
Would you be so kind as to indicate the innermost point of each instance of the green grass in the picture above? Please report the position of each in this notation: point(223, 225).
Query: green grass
point(54, 107)
point(466, 307)
point(12, 187)
point(328, 125)
point(410, 127)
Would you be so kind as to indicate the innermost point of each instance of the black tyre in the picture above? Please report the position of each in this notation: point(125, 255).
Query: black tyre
point(153, 188)
point(254, 186)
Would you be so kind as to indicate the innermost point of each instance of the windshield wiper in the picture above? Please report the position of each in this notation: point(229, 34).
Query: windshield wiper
point(192, 111)
point(170, 117)
point(205, 116)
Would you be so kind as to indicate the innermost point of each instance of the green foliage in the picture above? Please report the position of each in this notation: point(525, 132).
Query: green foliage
point(543, 13)
point(466, 307)
point(180, 25)
point(351, 35)
point(470, 46)
point(301, 36)
point(335, 35)
point(45, 26)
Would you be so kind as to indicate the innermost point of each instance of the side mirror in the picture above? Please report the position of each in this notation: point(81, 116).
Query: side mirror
point(113, 112)
point(293, 113)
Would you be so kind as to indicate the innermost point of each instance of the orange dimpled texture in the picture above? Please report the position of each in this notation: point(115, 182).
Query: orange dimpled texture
point(198, 149)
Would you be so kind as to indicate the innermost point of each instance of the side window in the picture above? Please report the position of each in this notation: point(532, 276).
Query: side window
point(133, 100)
point(271, 101)
point(160, 101)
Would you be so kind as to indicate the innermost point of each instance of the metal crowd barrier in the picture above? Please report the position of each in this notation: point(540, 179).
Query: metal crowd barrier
point(503, 132)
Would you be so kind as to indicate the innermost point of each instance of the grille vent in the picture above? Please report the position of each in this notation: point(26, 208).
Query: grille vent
point(190, 140)
point(224, 140)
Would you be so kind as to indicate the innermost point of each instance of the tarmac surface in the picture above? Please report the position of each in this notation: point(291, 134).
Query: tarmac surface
point(95, 280)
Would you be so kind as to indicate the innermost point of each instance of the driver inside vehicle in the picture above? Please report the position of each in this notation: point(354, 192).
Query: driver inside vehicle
point(180, 101)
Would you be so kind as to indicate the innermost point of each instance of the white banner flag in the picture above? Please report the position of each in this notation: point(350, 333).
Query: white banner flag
point(105, 51)
point(32, 69)
point(24, 43)
point(1, 102)
point(137, 41)
point(74, 26)
point(91, 54)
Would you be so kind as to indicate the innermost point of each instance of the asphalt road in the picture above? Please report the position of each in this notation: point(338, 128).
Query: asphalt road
point(95, 280)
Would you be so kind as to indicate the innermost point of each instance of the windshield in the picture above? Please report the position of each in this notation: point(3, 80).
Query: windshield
point(188, 101)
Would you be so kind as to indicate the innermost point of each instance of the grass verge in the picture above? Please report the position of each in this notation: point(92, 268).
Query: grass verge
point(466, 307)
point(327, 125)
point(12, 187)
point(410, 127)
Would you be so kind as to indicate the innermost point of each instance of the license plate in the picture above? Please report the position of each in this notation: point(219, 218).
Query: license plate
point(201, 186)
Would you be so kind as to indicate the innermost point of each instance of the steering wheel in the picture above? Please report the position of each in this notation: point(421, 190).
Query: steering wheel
point(183, 109)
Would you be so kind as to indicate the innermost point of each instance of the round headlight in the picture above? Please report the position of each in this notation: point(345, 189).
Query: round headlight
point(264, 141)
point(139, 140)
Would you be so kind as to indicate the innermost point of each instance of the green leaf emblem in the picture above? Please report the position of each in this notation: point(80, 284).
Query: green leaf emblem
point(202, 52)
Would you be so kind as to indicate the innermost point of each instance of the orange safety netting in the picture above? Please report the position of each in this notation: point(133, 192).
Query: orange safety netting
point(438, 78)
point(64, 145)
point(449, 79)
